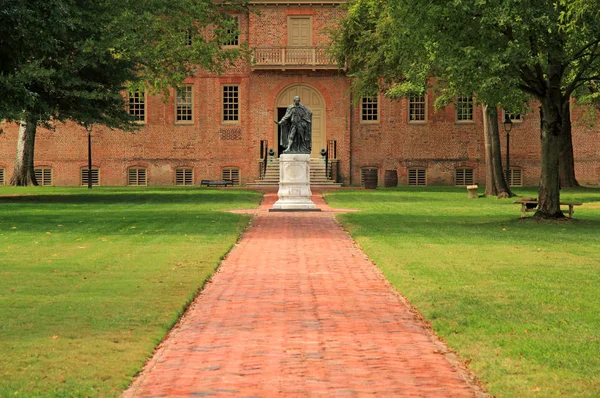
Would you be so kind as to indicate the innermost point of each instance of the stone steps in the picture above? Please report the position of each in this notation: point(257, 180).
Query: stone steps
point(317, 175)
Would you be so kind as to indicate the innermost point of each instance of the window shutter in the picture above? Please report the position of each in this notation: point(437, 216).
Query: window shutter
point(137, 176)
point(43, 175)
point(231, 173)
point(95, 176)
point(463, 176)
point(184, 176)
point(516, 177)
point(416, 177)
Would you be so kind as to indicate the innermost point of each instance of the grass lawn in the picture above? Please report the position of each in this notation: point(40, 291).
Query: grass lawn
point(518, 300)
point(90, 281)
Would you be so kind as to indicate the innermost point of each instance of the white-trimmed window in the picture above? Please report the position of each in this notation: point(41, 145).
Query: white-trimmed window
point(43, 175)
point(231, 104)
point(137, 105)
point(231, 173)
point(184, 176)
point(514, 117)
point(188, 37)
point(184, 105)
point(2, 176)
point(417, 108)
point(463, 176)
point(369, 109)
point(137, 176)
point(95, 176)
point(417, 176)
point(464, 109)
point(234, 33)
point(515, 177)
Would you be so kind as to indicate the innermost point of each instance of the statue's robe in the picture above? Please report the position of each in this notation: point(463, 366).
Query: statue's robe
point(297, 121)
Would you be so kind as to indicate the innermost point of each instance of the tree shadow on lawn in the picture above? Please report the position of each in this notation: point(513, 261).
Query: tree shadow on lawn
point(151, 197)
point(471, 229)
point(126, 222)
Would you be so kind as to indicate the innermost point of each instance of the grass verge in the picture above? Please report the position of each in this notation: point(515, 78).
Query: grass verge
point(90, 281)
point(518, 300)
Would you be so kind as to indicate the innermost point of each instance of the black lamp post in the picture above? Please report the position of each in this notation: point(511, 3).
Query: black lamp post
point(88, 127)
point(507, 128)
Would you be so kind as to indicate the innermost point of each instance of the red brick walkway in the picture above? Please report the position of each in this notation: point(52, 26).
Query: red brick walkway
point(297, 309)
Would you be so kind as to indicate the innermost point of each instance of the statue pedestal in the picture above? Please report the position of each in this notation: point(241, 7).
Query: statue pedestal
point(294, 184)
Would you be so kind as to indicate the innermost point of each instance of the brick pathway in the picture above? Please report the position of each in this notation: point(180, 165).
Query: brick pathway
point(297, 309)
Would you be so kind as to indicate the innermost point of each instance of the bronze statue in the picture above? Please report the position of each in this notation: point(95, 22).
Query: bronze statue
point(296, 128)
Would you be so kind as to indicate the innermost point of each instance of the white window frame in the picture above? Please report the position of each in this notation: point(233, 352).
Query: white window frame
point(411, 100)
point(367, 104)
point(187, 104)
point(2, 176)
point(514, 117)
point(233, 107)
point(132, 103)
point(464, 106)
point(235, 42)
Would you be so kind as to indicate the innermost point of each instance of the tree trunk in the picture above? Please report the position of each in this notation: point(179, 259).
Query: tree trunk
point(566, 161)
point(495, 181)
point(23, 173)
point(551, 127)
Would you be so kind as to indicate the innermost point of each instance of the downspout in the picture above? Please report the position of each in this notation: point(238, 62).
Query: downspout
point(350, 140)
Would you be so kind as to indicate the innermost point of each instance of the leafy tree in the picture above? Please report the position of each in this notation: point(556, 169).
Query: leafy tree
point(547, 50)
point(72, 59)
point(400, 60)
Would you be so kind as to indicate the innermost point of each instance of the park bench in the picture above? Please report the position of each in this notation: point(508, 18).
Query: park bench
point(530, 205)
point(216, 183)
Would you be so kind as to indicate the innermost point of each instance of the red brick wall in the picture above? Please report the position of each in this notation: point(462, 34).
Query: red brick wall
point(440, 144)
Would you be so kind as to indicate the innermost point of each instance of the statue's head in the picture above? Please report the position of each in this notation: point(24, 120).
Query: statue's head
point(296, 100)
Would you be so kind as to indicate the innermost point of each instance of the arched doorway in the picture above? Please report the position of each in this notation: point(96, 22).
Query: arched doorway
point(310, 97)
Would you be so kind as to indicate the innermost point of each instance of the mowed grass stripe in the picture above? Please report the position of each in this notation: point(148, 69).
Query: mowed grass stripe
point(517, 299)
point(91, 281)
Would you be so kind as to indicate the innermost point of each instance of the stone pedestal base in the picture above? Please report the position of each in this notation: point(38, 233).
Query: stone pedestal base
point(294, 184)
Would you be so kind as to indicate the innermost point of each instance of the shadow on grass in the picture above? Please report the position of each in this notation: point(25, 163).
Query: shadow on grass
point(168, 197)
point(471, 229)
point(126, 222)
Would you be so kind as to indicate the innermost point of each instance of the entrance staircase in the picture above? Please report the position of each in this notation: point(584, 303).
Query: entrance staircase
point(318, 177)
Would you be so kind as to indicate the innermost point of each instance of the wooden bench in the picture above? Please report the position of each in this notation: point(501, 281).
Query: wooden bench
point(531, 205)
point(216, 183)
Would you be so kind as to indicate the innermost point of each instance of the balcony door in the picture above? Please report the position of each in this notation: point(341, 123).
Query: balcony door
point(300, 31)
point(310, 97)
point(299, 47)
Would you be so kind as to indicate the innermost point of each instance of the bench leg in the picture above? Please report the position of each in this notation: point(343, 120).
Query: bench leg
point(523, 210)
point(570, 211)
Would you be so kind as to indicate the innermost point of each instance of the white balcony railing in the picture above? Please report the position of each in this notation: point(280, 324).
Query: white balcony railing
point(292, 57)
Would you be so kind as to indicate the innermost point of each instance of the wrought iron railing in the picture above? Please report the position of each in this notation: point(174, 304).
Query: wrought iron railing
point(331, 160)
point(264, 156)
point(292, 56)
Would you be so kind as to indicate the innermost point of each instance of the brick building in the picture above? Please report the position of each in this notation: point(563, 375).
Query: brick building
point(220, 126)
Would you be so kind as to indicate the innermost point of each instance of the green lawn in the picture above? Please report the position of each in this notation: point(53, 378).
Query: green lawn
point(90, 281)
point(518, 300)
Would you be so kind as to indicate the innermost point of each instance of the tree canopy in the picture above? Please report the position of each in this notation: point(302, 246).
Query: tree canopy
point(504, 51)
point(73, 59)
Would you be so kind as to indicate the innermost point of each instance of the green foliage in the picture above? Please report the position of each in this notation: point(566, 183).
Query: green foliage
point(72, 59)
point(90, 282)
point(515, 298)
point(499, 50)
